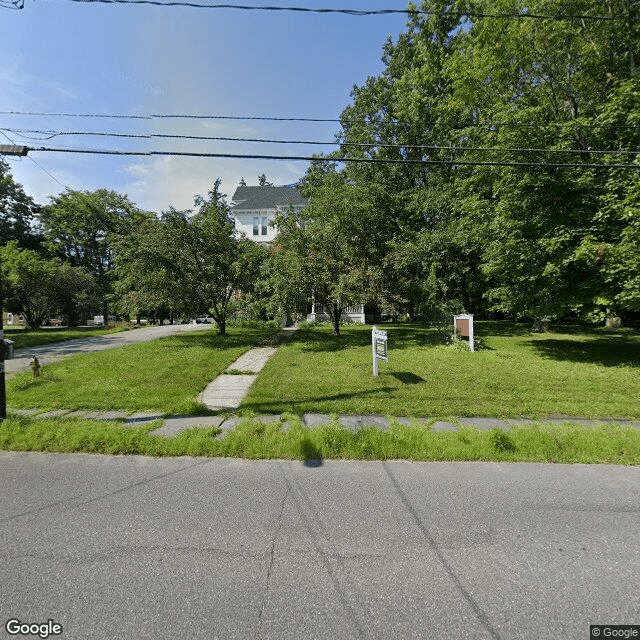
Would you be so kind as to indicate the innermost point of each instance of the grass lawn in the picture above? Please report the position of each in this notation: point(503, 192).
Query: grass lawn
point(23, 338)
point(610, 444)
point(163, 375)
point(573, 371)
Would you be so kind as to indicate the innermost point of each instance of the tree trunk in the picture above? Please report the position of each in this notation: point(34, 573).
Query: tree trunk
point(221, 321)
point(336, 319)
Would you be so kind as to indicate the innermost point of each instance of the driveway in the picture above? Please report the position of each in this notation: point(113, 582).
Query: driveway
point(136, 547)
point(47, 353)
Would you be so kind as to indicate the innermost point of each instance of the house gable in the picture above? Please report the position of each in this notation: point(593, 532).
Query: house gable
point(253, 209)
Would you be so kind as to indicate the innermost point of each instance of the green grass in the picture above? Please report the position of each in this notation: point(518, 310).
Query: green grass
point(163, 375)
point(23, 338)
point(573, 371)
point(611, 444)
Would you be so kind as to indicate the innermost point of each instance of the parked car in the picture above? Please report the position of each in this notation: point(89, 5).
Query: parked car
point(202, 320)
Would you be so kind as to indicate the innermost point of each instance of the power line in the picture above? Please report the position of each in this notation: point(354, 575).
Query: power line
point(366, 145)
point(458, 125)
point(364, 12)
point(193, 154)
point(151, 116)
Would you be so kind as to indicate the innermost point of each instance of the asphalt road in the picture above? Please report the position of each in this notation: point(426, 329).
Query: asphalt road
point(53, 352)
point(135, 547)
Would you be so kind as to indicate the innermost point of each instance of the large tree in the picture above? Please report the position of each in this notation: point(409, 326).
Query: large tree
point(80, 227)
point(37, 287)
point(328, 254)
point(460, 86)
point(18, 212)
point(190, 263)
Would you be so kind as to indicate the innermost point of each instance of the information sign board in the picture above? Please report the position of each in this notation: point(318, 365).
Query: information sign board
point(463, 326)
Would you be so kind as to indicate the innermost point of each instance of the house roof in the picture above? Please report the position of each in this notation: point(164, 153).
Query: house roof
point(266, 197)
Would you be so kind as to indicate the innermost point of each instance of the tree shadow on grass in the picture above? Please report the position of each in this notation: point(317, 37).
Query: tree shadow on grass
point(317, 342)
point(292, 406)
point(407, 377)
point(501, 328)
point(606, 352)
point(399, 336)
point(211, 340)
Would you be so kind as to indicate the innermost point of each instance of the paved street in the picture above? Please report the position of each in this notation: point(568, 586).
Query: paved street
point(47, 353)
point(135, 547)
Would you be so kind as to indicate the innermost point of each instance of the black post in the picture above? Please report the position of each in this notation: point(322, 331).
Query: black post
point(3, 393)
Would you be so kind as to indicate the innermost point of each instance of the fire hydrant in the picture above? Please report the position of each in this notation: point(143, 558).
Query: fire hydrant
point(35, 367)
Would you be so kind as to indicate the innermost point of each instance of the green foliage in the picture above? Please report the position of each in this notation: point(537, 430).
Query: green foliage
point(37, 287)
point(81, 226)
point(539, 241)
point(187, 263)
point(328, 254)
point(18, 212)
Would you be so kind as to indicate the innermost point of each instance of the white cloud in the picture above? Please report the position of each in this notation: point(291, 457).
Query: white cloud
point(158, 183)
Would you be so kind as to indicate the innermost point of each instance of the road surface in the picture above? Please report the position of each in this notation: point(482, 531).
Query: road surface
point(136, 547)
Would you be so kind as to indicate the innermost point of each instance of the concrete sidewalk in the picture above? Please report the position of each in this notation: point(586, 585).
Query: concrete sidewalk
point(173, 425)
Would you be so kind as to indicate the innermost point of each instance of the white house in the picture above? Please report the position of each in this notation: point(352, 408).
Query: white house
point(254, 208)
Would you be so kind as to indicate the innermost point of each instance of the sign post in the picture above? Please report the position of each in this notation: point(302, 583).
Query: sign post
point(463, 325)
point(378, 348)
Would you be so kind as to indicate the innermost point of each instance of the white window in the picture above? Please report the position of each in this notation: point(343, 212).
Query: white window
point(256, 224)
point(264, 226)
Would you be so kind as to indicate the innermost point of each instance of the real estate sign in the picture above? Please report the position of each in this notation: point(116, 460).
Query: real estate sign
point(378, 348)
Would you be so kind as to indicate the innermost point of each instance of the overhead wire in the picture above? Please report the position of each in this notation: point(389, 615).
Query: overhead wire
point(453, 162)
point(49, 135)
point(364, 12)
point(456, 125)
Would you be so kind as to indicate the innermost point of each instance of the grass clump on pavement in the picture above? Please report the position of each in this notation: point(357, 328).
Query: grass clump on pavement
point(289, 439)
point(164, 375)
point(573, 371)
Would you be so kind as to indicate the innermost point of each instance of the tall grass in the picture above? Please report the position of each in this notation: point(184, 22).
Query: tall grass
point(289, 439)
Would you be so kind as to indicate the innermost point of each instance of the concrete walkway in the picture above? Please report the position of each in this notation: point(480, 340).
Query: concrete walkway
point(228, 390)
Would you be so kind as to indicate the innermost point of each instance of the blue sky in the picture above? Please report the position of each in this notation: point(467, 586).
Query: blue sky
point(60, 56)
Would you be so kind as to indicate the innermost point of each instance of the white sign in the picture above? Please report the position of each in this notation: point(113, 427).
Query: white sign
point(378, 348)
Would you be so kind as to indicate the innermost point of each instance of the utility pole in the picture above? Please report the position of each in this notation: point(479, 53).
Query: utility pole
point(3, 393)
point(5, 150)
